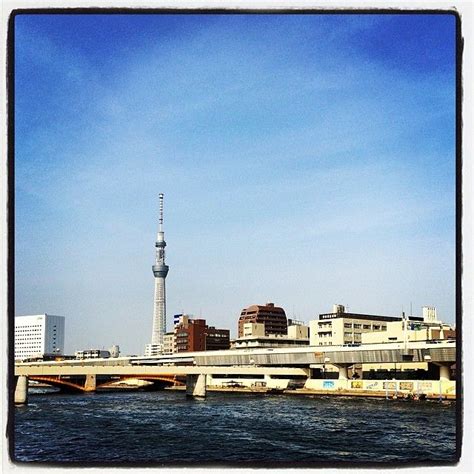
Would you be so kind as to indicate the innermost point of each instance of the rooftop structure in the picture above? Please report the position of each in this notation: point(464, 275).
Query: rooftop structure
point(92, 354)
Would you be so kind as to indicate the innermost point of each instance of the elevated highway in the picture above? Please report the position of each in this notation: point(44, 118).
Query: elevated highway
point(176, 369)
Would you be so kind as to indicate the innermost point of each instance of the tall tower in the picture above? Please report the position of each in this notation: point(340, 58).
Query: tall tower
point(160, 270)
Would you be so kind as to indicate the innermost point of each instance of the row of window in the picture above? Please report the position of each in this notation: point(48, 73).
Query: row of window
point(374, 327)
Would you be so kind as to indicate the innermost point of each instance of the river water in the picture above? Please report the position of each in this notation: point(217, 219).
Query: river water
point(166, 427)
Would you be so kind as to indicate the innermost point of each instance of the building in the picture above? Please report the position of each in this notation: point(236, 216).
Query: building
point(254, 336)
point(339, 327)
point(253, 330)
point(271, 316)
point(429, 314)
point(429, 329)
point(160, 271)
point(396, 332)
point(114, 351)
point(193, 335)
point(92, 354)
point(38, 335)
point(168, 343)
point(297, 330)
point(217, 339)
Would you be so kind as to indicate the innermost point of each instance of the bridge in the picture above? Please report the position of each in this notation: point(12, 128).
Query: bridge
point(197, 370)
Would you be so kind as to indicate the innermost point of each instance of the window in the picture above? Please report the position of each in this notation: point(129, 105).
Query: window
point(347, 325)
point(357, 326)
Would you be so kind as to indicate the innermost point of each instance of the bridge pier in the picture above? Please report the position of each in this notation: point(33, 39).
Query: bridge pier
point(196, 385)
point(21, 390)
point(444, 372)
point(90, 383)
point(342, 370)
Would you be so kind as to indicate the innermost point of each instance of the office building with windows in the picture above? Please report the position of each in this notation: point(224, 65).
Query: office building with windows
point(192, 335)
point(38, 335)
point(339, 328)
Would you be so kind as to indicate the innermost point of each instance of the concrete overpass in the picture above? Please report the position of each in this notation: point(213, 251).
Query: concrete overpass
point(193, 368)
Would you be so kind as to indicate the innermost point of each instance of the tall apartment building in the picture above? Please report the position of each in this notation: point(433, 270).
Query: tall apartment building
point(273, 318)
point(39, 334)
point(339, 327)
point(193, 335)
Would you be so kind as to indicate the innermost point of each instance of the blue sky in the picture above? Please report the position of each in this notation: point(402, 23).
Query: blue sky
point(305, 160)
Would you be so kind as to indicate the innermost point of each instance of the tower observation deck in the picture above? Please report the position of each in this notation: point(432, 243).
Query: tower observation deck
point(160, 270)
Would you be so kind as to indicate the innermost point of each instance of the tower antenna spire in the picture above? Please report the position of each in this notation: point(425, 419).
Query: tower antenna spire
point(161, 195)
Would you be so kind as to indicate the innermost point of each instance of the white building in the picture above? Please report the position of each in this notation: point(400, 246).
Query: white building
point(254, 336)
point(168, 343)
point(397, 331)
point(339, 328)
point(153, 350)
point(298, 331)
point(114, 351)
point(38, 334)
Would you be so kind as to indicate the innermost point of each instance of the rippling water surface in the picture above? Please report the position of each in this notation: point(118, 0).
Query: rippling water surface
point(166, 427)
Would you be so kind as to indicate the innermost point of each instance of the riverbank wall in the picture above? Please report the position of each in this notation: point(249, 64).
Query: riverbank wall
point(389, 389)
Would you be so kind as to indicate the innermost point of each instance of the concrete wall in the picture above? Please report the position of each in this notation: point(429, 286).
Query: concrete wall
point(390, 387)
